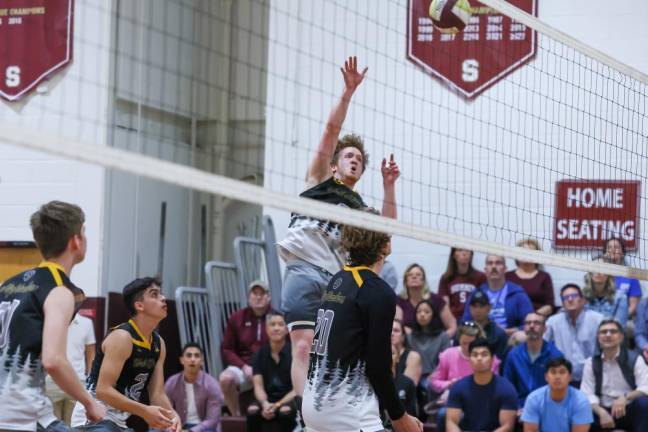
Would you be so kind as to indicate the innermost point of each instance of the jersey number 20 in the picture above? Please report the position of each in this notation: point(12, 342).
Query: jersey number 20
point(322, 331)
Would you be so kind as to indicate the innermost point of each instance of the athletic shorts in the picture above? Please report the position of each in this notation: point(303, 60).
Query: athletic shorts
point(301, 294)
point(243, 382)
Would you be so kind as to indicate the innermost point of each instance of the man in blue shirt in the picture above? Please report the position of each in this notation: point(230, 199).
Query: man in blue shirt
point(641, 328)
point(557, 407)
point(482, 401)
point(526, 364)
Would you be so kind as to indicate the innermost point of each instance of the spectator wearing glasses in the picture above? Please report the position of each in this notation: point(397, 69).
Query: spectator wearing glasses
point(573, 330)
point(194, 394)
point(526, 364)
point(557, 406)
point(480, 309)
point(616, 383)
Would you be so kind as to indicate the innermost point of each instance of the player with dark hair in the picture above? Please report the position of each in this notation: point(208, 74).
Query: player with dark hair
point(350, 363)
point(311, 248)
point(36, 309)
point(129, 361)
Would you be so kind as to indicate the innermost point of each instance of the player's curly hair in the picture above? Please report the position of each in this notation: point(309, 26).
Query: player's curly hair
point(363, 246)
point(351, 140)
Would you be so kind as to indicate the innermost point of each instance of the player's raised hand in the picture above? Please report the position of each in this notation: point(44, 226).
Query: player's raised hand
point(158, 417)
point(352, 78)
point(407, 423)
point(390, 171)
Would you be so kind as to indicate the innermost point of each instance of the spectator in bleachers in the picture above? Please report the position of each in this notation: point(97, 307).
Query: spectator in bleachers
point(616, 383)
point(454, 362)
point(480, 310)
point(536, 282)
point(389, 275)
point(573, 329)
point(416, 289)
point(641, 328)
point(244, 335)
point(194, 394)
point(459, 280)
point(525, 365)
point(557, 406)
point(509, 303)
point(273, 388)
point(405, 386)
point(426, 338)
point(409, 363)
point(614, 250)
point(602, 296)
point(482, 401)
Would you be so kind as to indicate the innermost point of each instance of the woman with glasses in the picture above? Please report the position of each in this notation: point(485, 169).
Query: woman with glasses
point(416, 289)
point(602, 296)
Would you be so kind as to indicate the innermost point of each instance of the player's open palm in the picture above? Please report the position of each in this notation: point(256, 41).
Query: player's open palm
point(407, 423)
point(352, 77)
point(158, 417)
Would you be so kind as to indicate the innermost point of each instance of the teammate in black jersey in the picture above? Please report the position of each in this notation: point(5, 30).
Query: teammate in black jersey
point(350, 361)
point(311, 247)
point(130, 361)
point(36, 309)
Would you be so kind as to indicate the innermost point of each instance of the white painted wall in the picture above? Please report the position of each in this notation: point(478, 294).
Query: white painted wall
point(439, 148)
point(71, 104)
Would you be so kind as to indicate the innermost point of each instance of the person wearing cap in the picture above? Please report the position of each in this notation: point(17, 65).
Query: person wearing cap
point(480, 309)
point(526, 364)
point(129, 363)
point(244, 335)
point(574, 329)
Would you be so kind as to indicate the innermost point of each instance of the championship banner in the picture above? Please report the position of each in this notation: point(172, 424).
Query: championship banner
point(35, 42)
point(490, 47)
point(588, 212)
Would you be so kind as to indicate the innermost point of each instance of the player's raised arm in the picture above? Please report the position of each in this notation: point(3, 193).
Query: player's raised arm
point(390, 173)
point(320, 166)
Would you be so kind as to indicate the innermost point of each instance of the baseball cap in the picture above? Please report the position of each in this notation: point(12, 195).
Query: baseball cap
point(258, 283)
point(139, 284)
point(479, 298)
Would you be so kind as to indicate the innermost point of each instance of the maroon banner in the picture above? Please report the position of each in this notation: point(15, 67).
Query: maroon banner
point(35, 42)
point(487, 50)
point(588, 212)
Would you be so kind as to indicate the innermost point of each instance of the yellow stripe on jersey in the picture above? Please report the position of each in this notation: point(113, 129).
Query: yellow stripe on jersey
point(142, 342)
point(355, 272)
point(54, 269)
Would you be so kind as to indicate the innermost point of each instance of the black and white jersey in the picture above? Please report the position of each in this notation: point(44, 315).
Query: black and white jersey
point(350, 361)
point(133, 379)
point(318, 241)
point(22, 377)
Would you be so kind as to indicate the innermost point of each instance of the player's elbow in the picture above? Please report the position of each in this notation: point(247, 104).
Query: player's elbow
point(102, 392)
point(52, 363)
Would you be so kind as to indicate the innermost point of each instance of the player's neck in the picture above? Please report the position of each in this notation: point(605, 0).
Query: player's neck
point(348, 182)
point(145, 324)
point(65, 261)
point(377, 266)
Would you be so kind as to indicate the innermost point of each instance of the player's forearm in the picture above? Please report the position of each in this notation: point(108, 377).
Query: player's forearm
point(111, 397)
point(160, 399)
point(389, 202)
point(64, 376)
point(451, 426)
point(338, 114)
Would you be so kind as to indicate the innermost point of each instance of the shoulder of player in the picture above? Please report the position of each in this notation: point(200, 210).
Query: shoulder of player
point(120, 341)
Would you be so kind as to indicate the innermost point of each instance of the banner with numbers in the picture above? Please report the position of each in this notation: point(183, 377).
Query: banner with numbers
point(488, 49)
point(35, 42)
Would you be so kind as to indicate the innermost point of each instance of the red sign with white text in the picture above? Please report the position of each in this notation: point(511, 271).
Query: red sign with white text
point(588, 212)
point(489, 48)
point(35, 42)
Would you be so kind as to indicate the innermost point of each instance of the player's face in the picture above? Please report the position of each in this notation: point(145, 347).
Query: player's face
point(191, 359)
point(614, 251)
point(481, 359)
point(154, 302)
point(558, 378)
point(609, 336)
point(80, 245)
point(424, 314)
point(349, 165)
point(415, 278)
point(462, 256)
point(276, 328)
point(258, 298)
point(397, 336)
point(495, 267)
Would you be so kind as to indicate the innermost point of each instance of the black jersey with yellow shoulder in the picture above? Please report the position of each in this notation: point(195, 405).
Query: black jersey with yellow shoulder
point(350, 361)
point(22, 317)
point(136, 373)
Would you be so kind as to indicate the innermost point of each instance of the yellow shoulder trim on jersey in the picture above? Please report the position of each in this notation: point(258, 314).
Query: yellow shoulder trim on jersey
point(142, 342)
point(355, 272)
point(54, 268)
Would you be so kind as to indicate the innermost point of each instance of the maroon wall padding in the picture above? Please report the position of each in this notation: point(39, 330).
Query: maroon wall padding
point(95, 309)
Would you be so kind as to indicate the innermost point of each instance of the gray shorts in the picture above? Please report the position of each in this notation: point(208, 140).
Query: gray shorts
point(301, 294)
